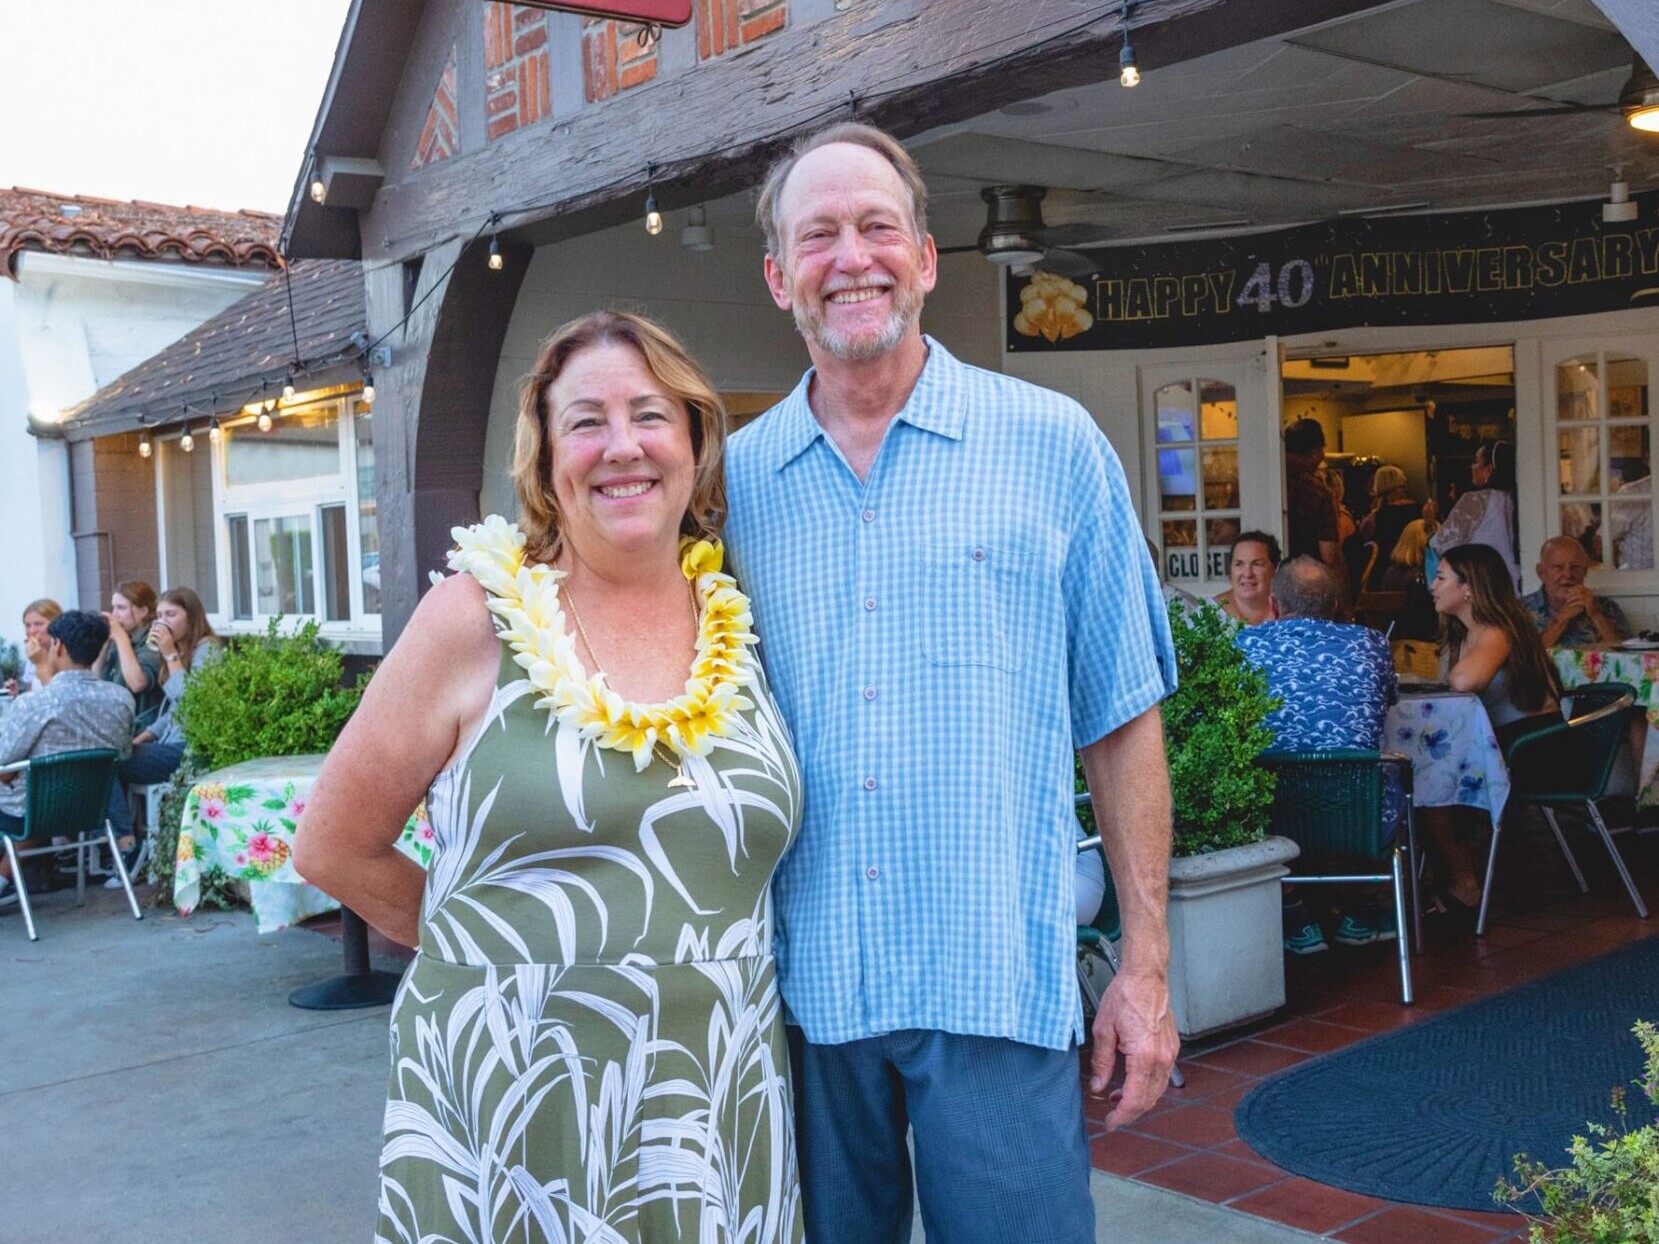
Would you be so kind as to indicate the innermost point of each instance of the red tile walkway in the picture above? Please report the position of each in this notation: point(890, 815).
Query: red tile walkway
point(1542, 924)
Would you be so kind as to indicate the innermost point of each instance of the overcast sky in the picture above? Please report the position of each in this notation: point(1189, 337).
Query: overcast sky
point(207, 102)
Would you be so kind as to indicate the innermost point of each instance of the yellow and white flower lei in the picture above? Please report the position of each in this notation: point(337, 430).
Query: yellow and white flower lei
point(524, 597)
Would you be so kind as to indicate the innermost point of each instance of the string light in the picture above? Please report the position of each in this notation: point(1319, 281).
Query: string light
point(653, 218)
point(1129, 73)
point(144, 449)
point(368, 388)
point(288, 387)
point(264, 421)
point(213, 432)
point(187, 442)
point(496, 261)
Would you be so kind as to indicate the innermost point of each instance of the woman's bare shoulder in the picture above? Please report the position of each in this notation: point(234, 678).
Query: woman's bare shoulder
point(453, 619)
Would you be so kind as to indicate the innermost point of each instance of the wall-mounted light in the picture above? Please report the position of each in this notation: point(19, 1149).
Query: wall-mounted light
point(697, 236)
point(1129, 73)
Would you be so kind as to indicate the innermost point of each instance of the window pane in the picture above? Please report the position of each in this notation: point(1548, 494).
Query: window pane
point(1218, 411)
point(282, 552)
point(241, 575)
point(1219, 534)
point(1580, 461)
point(1221, 478)
point(187, 494)
point(1176, 419)
point(368, 530)
point(303, 445)
point(1575, 389)
point(1626, 388)
point(1632, 523)
point(336, 565)
point(1181, 549)
point(1582, 522)
point(1178, 479)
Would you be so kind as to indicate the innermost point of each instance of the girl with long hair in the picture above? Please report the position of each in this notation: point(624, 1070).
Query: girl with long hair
point(1488, 646)
point(127, 659)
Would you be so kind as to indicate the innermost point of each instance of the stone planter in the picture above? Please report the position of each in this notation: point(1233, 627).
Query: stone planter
point(1226, 947)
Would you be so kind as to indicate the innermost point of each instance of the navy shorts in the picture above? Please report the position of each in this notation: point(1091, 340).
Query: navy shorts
point(1001, 1152)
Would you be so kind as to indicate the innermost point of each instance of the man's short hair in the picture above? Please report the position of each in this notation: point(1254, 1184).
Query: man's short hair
point(1304, 587)
point(1304, 436)
point(859, 135)
point(82, 634)
point(1560, 542)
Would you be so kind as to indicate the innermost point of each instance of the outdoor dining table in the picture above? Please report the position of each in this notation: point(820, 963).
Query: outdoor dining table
point(241, 819)
point(1454, 753)
point(1639, 667)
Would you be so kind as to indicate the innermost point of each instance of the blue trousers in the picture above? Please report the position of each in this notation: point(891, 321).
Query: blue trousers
point(1001, 1153)
point(149, 762)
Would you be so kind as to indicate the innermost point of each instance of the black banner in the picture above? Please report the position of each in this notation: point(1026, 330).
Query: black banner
point(1461, 268)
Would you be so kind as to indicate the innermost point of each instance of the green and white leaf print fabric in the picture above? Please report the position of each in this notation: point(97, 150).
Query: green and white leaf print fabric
point(589, 1045)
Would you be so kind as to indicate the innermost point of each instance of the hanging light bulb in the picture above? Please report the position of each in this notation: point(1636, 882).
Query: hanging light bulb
point(319, 192)
point(213, 433)
point(288, 387)
point(264, 421)
point(1129, 73)
point(144, 449)
point(653, 218)
point(368, 389)
point(496, 261)
point(187, 442)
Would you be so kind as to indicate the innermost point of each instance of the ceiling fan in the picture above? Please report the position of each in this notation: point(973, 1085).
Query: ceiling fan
point(1015, 235)
point(1638, 102)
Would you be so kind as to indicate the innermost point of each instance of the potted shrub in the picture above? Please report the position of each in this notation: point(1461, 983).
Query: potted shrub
point(1226, 944)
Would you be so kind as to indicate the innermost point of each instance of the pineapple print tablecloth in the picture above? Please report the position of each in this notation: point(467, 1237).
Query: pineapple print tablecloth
point(1580, 666)
point(241, 819)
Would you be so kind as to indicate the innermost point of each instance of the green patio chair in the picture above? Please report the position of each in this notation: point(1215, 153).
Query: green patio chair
point(1097, 953)
point(1330, 804)
point(1567, 765)
point(67, 796)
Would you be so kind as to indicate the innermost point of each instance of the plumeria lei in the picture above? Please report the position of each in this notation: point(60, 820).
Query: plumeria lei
point(524, 597)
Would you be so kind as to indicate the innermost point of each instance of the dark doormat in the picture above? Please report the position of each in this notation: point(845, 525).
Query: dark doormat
point(1433, 1114)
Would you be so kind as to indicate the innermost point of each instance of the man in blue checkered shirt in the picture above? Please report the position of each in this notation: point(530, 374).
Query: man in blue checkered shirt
point(951, 592)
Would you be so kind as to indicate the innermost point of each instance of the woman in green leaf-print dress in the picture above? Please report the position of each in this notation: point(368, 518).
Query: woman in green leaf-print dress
point(589, 1044)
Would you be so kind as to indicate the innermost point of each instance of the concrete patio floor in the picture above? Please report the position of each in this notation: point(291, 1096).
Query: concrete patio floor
point(156, 1085)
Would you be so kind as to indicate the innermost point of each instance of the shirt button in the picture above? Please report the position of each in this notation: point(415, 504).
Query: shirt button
point(979, 555)
point(869, 783)
point(874, 874)
point(869, 516)
point(869, 602)
point(869, 693)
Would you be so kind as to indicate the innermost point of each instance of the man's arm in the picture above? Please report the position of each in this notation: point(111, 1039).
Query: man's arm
point(1129, 785)
point(19, 730)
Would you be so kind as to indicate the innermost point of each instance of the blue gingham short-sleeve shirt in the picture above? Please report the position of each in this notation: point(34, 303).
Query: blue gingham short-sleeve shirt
point(939, 638)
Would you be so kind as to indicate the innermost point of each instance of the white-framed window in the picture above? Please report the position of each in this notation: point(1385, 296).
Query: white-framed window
point(1603, 434)
point(1199, 502)
point(295, 526)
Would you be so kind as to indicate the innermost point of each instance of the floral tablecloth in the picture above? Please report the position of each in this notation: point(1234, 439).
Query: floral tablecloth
point(1455, 758)
point(1580, 666)
point(242, 819)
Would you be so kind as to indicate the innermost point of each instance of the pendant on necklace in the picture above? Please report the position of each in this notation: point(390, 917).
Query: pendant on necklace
point(680, 779)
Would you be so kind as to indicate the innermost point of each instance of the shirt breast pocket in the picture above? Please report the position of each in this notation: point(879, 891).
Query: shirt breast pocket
point(976, 604)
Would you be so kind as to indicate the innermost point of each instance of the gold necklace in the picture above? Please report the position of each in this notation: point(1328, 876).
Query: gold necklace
point(669, 758)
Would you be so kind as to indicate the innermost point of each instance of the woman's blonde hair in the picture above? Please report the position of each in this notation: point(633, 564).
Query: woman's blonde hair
point(198, 629)
point(46, 607)
point(671, 367)
point(1408, 549)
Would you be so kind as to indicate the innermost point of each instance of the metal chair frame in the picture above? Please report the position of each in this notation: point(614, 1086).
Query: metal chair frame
point(34, 803)
point(1592, 791)
point(1402, 857)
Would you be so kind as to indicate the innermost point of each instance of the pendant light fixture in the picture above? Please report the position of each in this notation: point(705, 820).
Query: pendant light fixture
point(1129, 73)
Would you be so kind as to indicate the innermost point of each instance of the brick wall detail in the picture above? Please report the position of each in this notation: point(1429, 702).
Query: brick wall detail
point(726, 24)
point(613, 57)
point(517, 90)
point(438, 135)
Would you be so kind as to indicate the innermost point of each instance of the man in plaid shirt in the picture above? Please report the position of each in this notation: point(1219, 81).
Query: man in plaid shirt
point(75, 711)
point(952, 592)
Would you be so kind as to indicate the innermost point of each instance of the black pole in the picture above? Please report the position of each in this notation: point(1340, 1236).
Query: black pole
point(360, 985)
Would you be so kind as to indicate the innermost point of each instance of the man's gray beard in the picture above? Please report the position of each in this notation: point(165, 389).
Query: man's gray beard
point(906, 312)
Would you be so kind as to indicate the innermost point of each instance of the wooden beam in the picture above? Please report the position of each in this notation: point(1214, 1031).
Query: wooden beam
point(917, 63)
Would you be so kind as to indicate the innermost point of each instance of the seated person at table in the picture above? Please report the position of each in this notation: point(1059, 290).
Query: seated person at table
point(1566, 613)
point(1336, 681)
point(128, 661)
point(1488, 646)
point(37, 651)
point(1250, 571)
point(76, 710)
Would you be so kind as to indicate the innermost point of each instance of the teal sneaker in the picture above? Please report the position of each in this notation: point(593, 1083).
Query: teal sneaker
point(1364, 929)
point(1307, 940)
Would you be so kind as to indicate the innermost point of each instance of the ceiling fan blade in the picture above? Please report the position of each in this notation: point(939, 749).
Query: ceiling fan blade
point(1074, 235)
point(1560, 110)
point(956, 250)
point(1067, 263)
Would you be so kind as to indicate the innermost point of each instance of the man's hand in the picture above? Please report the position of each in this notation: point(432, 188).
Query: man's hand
point(1578, 600)
point(1134, 1018)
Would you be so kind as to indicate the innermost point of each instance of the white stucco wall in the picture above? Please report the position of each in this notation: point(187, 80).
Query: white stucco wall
point(716, 302)
point(68, 326)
